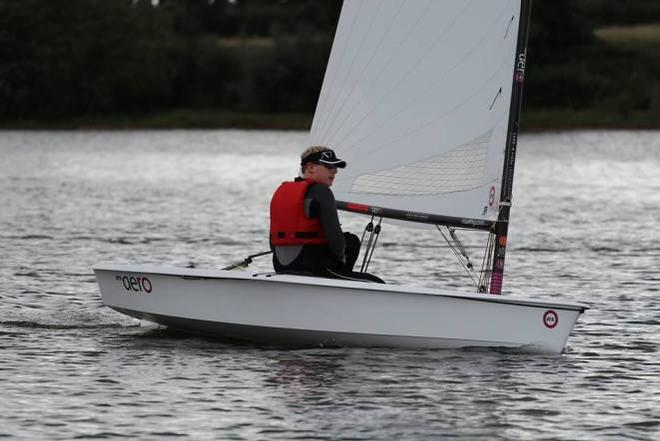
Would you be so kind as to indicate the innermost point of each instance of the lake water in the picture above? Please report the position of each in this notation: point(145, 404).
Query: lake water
point(584, 228)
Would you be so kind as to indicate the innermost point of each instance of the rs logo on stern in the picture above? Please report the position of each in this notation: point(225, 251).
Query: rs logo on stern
point(135, 283)
point(550, 319)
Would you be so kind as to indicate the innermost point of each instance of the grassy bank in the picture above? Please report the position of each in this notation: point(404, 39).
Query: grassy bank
point(637, 36)
point(541, 120)
point(174, 119)
point(532, 120)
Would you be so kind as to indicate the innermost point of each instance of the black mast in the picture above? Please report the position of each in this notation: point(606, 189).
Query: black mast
point(502, 225)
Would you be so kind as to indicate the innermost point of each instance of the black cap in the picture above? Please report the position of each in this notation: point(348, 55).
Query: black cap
point(327, 157)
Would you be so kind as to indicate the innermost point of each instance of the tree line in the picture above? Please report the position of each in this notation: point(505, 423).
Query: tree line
point(66, 58)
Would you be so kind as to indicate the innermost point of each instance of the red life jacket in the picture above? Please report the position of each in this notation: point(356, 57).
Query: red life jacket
point(288, 223)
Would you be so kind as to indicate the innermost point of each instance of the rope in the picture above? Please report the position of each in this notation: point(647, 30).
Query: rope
point(373, 246)
point(370, 229)
point(458, 250)
point(484, 280)
point(245, 263)
point(459, 246)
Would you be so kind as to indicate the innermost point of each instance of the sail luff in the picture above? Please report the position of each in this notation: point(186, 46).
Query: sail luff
point(502, 225)
point(336, 64)
point(339, 42)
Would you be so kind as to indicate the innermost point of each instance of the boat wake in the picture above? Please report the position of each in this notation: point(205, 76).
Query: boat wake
point(66, 326)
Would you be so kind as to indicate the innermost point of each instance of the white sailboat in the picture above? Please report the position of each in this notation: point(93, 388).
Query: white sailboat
point(422, 99)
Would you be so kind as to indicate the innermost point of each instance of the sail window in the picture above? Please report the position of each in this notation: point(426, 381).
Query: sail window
point(459, 169)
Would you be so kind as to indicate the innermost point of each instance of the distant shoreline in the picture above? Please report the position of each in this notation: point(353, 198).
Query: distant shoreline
point(531, 121)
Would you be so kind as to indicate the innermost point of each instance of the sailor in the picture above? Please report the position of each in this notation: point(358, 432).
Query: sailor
point(305, 234)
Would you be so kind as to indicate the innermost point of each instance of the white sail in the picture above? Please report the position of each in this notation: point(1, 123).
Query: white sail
point(416, 99)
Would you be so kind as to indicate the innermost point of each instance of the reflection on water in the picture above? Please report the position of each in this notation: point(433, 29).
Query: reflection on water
point(583, 228)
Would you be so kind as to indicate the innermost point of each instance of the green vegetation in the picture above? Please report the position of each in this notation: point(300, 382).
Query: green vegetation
point(581, 75)
point(644, 35)
point(541, 120)
point(169, 119)
point(260, 63)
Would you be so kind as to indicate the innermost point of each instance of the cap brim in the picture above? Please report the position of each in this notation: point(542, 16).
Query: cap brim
point(339, 164)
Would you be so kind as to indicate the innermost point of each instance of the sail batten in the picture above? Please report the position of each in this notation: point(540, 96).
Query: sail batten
point(416, 99)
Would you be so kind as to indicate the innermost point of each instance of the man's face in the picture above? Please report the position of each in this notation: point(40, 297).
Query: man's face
point(321, 174)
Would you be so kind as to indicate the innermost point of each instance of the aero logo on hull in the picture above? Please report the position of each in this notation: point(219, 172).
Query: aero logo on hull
point(135, 284)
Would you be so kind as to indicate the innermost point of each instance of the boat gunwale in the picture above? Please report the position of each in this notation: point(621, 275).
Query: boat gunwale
point(201, 274)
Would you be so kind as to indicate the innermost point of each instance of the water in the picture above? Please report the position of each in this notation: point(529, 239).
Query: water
point(584, 228)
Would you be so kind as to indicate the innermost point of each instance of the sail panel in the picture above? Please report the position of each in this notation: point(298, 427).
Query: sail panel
point(416, 99)
point(459, 169)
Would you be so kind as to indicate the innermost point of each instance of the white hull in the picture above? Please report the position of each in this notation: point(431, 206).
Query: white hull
point(297, 310)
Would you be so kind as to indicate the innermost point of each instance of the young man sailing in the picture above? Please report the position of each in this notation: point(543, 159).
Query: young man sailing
point(305, 234)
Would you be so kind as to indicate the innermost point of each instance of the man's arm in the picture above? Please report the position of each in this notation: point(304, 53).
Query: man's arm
point(321, 205)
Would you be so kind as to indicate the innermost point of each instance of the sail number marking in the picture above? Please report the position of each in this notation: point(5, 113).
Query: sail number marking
point(135, 284)
point(491, 196)
point(550, 319)
point(520, 67)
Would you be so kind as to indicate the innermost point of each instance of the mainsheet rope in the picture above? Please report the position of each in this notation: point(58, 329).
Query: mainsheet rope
point(374, 232)
point(245, 263)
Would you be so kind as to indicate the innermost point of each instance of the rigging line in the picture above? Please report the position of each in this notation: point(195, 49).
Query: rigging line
point(414, 66)
point(341, 98)
point(458, 249)
point(366, 252)
point(458, 243)
point(458, 257)
point(487, 272)
point(246, 262)
point(484, 279)
point(373, 247)
point(373, 55)
point(425, 94)
point(368, 247)
point(342, 57)
point(368, 227)
point(458, 246)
